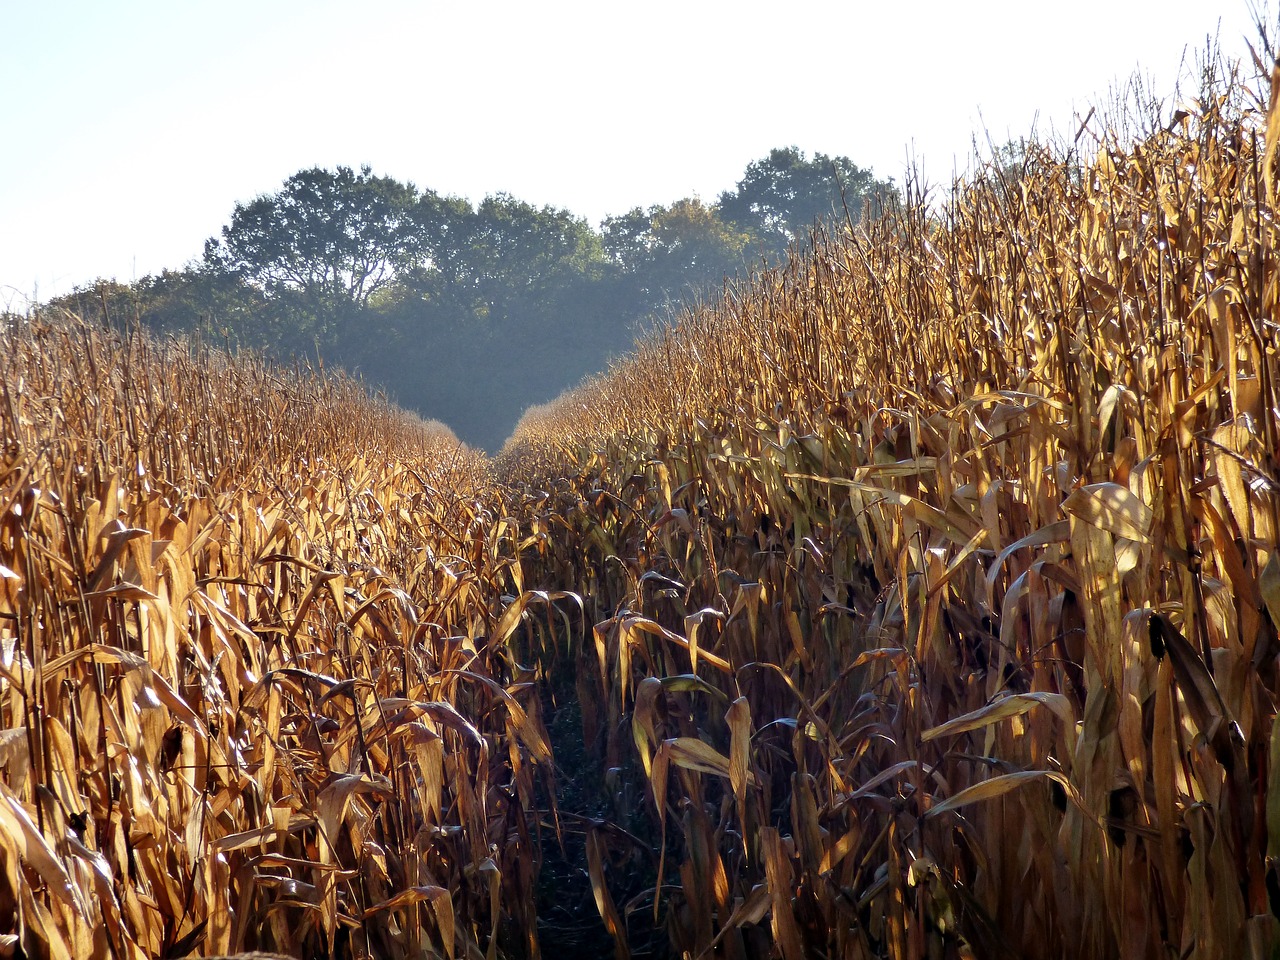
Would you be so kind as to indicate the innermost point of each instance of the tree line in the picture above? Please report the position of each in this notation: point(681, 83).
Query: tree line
point(465, 312)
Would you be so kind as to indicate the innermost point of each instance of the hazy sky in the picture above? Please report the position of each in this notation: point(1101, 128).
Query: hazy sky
point(130, 129)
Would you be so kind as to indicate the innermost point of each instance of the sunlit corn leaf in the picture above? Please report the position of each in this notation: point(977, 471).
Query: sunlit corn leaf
point(1000, 785)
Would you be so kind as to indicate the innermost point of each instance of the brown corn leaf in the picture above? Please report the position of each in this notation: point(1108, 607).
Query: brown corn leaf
point(1269, 586)
point(1112, 508)
point(28, 843)
point(604, 900)
point(998, 786)
point(694, 754)
point(1010, 706)
point(441, 904)
point(746, 912)
point(786, 931)
point(643, 716)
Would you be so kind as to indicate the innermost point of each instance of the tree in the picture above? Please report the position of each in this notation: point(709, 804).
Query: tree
point(782, 196)
point(694, 239)
point(673, 253)
point(529, 249)
point(333, 239)
point(505, 260)
point(220, 306)
point(628, 238)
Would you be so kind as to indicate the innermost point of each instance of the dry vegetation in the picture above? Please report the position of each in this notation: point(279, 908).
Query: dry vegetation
point(246, 693)
point(929, 590)
point(936, 578)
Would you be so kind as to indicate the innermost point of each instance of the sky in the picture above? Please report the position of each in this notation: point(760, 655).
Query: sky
point(129, 129)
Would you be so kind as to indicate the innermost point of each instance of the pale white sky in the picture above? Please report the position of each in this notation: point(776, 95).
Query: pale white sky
point(130, 128)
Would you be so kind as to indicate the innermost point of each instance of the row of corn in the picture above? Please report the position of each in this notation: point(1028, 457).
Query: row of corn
point(932, 580)
point(252, 692)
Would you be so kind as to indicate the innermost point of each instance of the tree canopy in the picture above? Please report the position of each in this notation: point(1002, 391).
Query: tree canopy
point(784, 195)
point(336, 237)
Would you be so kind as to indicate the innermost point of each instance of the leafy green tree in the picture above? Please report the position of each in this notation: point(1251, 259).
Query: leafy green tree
point(107, 303)
point(333, 239)
point(693, 240)
point(522, 248)
point(628, 238)
point(503, 263)
point(782, 196)
point(194, 300)
point(222, 307)
point(444, 227)
point(674, 254)
point(503, 308)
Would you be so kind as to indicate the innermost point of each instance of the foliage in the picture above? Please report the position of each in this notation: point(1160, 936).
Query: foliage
point(784, 195)
point(336, 238)
point(672, 253)
point(507, 263)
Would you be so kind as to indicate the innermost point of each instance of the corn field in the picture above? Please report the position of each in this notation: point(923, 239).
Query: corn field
point(918, 599)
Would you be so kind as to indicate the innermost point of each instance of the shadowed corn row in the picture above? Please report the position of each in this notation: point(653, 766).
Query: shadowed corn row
point(935, 575)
